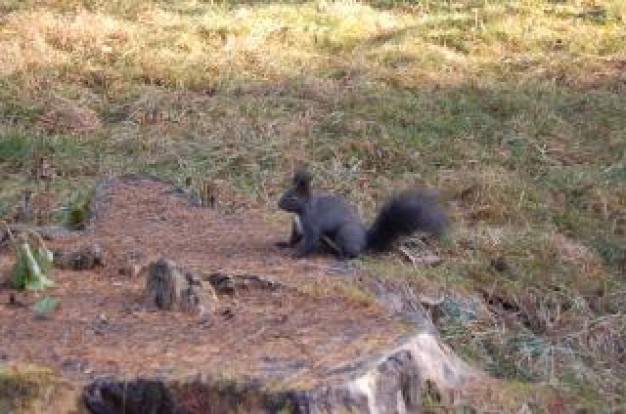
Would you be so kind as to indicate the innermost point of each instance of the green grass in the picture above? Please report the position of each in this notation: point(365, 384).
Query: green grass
point(515, 110)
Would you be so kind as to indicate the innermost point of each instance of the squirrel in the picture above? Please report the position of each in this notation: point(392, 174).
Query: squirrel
point(331, 219)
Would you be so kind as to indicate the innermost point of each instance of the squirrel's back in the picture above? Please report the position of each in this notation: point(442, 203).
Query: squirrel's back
point(330, 211)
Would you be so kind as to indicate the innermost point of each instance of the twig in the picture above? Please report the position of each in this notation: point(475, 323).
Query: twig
point(407, 255)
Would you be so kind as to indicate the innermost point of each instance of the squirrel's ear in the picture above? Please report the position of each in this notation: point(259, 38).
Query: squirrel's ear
point(302, 176)
point(302, 181)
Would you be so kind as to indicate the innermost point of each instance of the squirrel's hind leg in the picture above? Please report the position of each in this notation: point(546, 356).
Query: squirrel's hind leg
point(350, 240)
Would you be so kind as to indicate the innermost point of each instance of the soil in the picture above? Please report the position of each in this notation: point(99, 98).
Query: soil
point(305, 331)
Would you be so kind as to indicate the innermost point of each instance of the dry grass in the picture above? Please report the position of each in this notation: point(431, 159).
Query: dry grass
point(26, 388)
point(515, 110)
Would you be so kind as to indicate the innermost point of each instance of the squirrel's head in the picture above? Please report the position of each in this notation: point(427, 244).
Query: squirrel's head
point(298, 194)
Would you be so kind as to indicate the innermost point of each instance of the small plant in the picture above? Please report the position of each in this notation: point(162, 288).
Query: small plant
point(75, 210)
point(32, 261)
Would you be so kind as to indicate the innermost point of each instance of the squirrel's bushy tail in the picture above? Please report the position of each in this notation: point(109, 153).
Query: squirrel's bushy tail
point(404, 214)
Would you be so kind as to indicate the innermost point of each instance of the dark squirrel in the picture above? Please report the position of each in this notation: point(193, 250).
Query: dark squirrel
point(331, 219)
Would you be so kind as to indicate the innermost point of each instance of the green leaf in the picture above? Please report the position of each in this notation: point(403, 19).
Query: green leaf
point(20, 272)
point(30, 267)
point(38, 283)
point(45, 305)
point(44, 258)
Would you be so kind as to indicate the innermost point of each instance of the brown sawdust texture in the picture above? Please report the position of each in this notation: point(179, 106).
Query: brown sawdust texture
point(104, 326)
